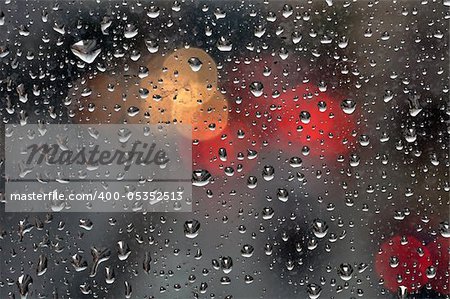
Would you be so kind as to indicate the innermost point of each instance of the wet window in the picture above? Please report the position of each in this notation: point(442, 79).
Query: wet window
point(315, 163)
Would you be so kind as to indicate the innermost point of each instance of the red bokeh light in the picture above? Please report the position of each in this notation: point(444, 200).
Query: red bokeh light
point(413, 259)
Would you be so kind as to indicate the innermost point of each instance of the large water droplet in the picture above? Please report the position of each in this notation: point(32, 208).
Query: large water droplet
point(348, 106)
point(320, 228)
point(87, 50)
point(256, 88)
point(195, 64)
point(200, 177)
point(313, 290)
point(345, 271)
point(191, 228)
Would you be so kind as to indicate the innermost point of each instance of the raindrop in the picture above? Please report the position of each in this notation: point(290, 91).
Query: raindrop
point(320, 228)
point(388, 96)
point(248, 279)
point(247, 250)
point(41, 265)
point(252, 182)
point(110, 275)
point(224, 44)
point(256, 89)
point(86, 50)
point(348, 106)
point(402, 292)
point(226, 263)
point(313, 290)
point(287, 10)
point(128, 290)
point(123, 250)
point(146, 262)
point(268, 172)
point(86, 224)
point(195, 64)
point(364, 140)
point(133, 111)
point(267, 213)
point(354, 160)
point(282, 194)
point(223, 154)
point(153, 12)
point(200, 177)
point(130, 31)
point(345, 271)
point(152, 46)
point(393, 262)
point(98, 256)
point(431, 272)
point(296, 37)
point(191, 228)
point(79, 263)
point(295, 162)
point(444, 229)
point(305, 117)
point(23, 283)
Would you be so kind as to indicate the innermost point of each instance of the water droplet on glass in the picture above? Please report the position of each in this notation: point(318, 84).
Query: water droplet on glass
point(247, 250)
point(345, 271)
point(305, 117)
point(110, 275)
point(133, 111)
point(348, 106)
point(268, 172)
point(87, 50)
point(153, 12)
point(41, 267)
point(226, 263)
point(23, 283)
point(191, 228)
point(256, 88)
point(200, 177)
point(195, 64)
point(224, 44)
point(146, 262)
point(282, 194)
point(267, 213)
point(123, 250)
point(320, 228)
point(444, 229)
point(313, 290)
point(128, 289)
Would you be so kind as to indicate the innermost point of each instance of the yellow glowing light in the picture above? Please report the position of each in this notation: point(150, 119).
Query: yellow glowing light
point(189, 93)
point(189, 86)
point(181, 87)
point(208, 120)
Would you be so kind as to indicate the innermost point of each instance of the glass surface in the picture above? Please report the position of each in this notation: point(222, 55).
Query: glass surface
point(320, 158)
